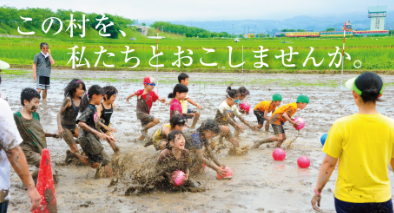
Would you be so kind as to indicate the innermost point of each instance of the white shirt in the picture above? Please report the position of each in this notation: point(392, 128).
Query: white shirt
point(231, 110)
point(46, 56)
point(9, 139)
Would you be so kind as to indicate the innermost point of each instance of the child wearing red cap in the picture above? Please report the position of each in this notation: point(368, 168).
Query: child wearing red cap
point(145, 99)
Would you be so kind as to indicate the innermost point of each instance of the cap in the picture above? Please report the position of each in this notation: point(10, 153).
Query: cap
point(148, 79)
point(351, 84)
point(4, 65)
point(276, 97)
point(303, 99)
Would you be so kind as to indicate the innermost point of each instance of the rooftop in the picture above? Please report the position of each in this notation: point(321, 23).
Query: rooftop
point(377, 9)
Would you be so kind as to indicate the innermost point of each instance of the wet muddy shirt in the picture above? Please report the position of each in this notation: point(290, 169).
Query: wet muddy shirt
point(168, 163)
point(364, 144)
point(69, 115)
point(265, 106)
point(145, 101)
point(9, 139)
point(90, 117)
point(194, 141)
point(159, 135)
point(175, 107)
point(221, 118)
point(32, 133)
point(277, 117)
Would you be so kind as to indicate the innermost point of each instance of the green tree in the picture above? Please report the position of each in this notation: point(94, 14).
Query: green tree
point(330, 29)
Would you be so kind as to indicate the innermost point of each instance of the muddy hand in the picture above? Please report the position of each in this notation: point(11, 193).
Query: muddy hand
point(316, 200)
point(60, 130)
point(221, 171)
point(241, 128)
point(35, 198)
point(111, 129)
point(56, 135)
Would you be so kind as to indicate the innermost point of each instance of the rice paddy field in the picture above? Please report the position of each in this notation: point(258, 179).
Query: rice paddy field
point(374, 53)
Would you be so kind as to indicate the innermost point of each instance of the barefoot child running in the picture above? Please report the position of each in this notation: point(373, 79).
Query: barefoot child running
point(160, 138)
point(90, 136)
point(105, 110)
point(183, 78)
point(226, 113)
point(145, 99)
point(263, 108)
point(28, 123)
point(68, 113)
point(279, 118)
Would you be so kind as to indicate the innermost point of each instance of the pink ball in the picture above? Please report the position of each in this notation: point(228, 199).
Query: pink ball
point(178, 177)
point(303, 162)
point(227, 175)
point(279, 154)
point(245, 106)
point(300, 121)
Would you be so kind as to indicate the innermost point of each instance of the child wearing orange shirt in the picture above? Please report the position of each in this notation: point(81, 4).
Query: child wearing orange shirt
point(262, 109)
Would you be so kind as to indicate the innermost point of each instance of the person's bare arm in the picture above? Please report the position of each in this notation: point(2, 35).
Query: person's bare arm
point(65, 105)
point(212, 156)
point(266, 115)
point(101, 135)
point(286, 116)
point(221, 171)
point(130, 96)
point(326, 169)
point(56, 135)
point(162, 100)
point(242, 119)
point(18, 161)
point(230, 120)
point(194, 103)
point(34, 71)
point(50, 57)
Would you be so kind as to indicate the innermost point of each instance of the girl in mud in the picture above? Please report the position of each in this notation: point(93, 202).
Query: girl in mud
point(68, 113)
point(179, 93)
point(90, 136)
point(363, 142)
point(196, 140)
point(243, 92)
point(160, 138)
point(105, 110)
point(226, 113)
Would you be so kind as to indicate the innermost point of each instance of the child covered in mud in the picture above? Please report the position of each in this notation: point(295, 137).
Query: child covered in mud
point(226, 113)
point(145, 99)
point(199, 138)
point(28, 123)
point(262, 110)
point(105, 110)
point(279, 118)
point(90, 136)
point(160, 137)
point(183, 78)
point(179, 93)
point(68, 113)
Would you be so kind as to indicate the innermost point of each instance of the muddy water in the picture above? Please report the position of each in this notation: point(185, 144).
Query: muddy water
point(259, 183)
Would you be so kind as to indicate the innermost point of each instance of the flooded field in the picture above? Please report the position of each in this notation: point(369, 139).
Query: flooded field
point(259, 184)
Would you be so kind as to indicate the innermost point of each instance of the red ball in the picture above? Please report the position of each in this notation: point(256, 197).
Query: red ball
point(245, 106)
point(303, 162)
point(279, 154)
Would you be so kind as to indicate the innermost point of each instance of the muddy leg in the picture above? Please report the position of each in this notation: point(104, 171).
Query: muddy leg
point(151, 124)
point(281, 138)
point(257, 144)
point(112, 144)
point(108, 170)
point(196, 117)
point(44, 94)
point(267, 126)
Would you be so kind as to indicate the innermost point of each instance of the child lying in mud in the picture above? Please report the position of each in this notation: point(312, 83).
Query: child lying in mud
point(173, 158)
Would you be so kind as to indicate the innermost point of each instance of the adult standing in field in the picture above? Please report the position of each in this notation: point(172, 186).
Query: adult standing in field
point(42, 69)
point(364, 144)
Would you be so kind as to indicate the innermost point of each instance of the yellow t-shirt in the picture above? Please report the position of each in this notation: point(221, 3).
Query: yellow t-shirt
point(265, 106)
point(364, 145)
point(159, 135)
point(184, 105)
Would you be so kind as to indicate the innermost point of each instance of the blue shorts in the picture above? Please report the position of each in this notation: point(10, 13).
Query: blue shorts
point(346, 207)
point(3, 207)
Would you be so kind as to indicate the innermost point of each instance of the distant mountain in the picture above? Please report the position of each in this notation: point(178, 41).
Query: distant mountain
point(359, 22)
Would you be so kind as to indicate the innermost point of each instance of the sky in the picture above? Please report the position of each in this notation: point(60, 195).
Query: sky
point(208, 10)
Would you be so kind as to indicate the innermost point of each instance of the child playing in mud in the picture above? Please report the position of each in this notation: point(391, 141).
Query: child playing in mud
point(68, 113)
point(225, 114)
point(262, 109)
point(183, 78)
point(145, 99)
point(196, 140)
point(90, 136)
point(28, 123)
point(179, 93)
point(279, 118)
point(160, 138)
point(243, 92)
point(105, 110)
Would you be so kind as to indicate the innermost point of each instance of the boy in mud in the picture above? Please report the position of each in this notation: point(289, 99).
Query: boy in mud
point(197, 139)
point(160, 137)
point(183, 78)
point(262, 109)
point(145, 99)
point(279, 118)
point(28, 123)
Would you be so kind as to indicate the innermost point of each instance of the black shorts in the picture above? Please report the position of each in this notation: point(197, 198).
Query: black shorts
point(43, 82)
point(278, 129)
point(260, 116)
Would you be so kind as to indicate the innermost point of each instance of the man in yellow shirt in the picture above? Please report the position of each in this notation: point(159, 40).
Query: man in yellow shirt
point(279, 118)
point(364, 143)
point(262, 109)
